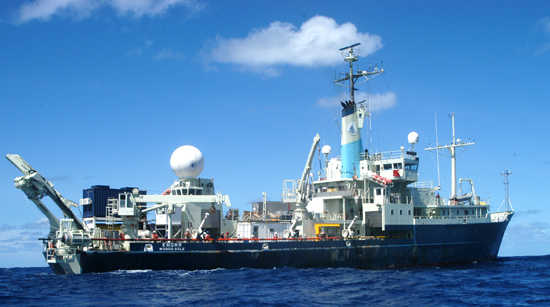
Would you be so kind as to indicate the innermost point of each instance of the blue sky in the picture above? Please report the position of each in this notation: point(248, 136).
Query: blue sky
point(102, 92)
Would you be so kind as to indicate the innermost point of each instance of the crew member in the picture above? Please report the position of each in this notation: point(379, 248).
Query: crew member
point(52, 248)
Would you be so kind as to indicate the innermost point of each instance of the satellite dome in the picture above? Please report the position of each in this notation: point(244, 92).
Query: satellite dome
point(413, 138)
point(326, 150)
point(187, 162)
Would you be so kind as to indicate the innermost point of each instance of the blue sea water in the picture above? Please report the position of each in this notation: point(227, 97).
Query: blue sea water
point(511, 281)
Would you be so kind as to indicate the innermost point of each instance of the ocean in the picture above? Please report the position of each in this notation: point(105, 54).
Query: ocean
point(509, 281)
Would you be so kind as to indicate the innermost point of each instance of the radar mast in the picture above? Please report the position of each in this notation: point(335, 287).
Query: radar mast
point(452, 150)
point(351, 56)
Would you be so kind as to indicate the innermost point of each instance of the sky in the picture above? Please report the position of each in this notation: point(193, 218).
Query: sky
point(101, 92)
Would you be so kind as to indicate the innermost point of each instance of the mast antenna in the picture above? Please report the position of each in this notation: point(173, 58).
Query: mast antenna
point(452, 151)
point(350, 55)
point(506, 202)
point(437, 144)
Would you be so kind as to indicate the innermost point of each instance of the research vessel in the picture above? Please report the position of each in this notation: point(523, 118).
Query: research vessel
point(364, 210)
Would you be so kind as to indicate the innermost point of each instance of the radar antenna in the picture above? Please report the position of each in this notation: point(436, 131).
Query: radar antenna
point(351, 56)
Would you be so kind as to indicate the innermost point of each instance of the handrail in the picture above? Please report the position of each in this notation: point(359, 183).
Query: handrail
point(235, 239)
point(386, 155)
point(454, 217)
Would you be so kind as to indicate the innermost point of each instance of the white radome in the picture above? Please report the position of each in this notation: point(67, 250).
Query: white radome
point(413, 138)
point(187, 162)
point(326, 150)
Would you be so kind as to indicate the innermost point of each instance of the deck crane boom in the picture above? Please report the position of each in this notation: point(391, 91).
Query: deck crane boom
point(300, 213)
point(302, 184)
point(35, 186)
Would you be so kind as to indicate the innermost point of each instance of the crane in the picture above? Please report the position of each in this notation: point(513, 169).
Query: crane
point(35, 186)
point(300, 213)
point(302, 184)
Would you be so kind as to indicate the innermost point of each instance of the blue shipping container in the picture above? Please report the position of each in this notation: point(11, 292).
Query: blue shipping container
point(99, 195)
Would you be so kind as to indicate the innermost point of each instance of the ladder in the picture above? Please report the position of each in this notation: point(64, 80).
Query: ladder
point(112, 205)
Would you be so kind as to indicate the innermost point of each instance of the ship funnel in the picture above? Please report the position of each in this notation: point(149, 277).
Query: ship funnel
point(353, 115)
point(352, 145)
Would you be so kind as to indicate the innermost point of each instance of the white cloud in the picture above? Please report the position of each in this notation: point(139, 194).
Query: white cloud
point(134, 52)
point(315, 43)
point(42, 223)
point(139, 50)
point(374, 102)
point(138, 8)
point(527, 238)
point(544, 25)
point(45, 9)
point(168, 54)
point(527, 212)
point(19, 245)
point(542, 49)
point(534, 231)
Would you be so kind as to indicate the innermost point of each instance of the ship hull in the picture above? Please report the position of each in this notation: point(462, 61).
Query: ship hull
point(431, 245)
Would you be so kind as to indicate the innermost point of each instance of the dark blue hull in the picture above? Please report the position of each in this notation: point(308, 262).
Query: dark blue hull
point(431, 245)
